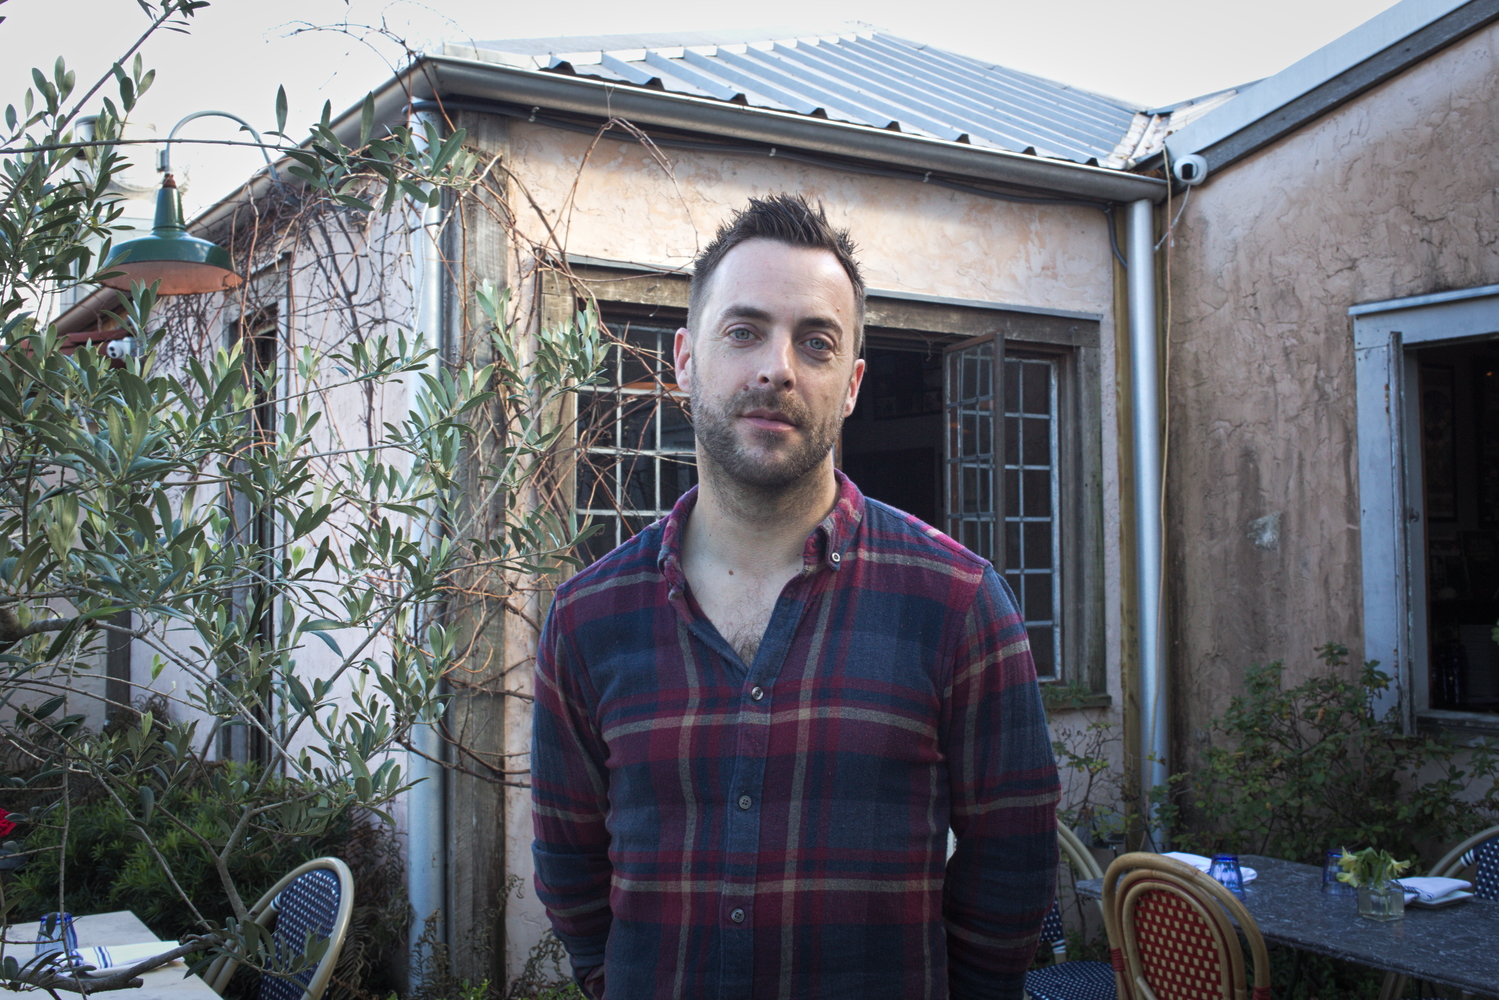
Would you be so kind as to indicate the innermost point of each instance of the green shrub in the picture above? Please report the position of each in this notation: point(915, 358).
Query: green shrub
point(1304, 769)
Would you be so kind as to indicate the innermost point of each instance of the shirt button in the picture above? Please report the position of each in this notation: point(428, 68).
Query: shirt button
point(737, 915)
point(744, 802)
point(757, 692)
point(836, 558)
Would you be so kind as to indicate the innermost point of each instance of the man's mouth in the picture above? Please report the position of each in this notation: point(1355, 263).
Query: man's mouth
point(769, 419)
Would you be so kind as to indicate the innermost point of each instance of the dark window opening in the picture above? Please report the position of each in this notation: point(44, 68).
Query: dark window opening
point(892, 442)
point(1459, 455)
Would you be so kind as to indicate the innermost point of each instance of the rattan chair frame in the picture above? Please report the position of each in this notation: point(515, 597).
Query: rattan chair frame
point(221, 969)
point(1448, 867)
point(1130, 876)
point(1081, 860)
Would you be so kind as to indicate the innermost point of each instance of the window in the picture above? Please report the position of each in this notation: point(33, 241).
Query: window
point(1428, 398)
point(635, 443)
point(980, 421)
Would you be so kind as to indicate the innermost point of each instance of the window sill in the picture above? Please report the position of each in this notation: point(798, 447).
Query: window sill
point(1458, 723)
point(1060, 698)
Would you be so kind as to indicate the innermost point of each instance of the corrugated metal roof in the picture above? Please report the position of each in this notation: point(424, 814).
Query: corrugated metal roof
point(854, 73)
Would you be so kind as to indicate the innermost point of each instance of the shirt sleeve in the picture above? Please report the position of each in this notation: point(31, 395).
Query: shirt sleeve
point(1001, 879)
point(570, 799)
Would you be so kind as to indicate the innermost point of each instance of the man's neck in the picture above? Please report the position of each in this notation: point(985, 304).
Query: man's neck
point(757, 532)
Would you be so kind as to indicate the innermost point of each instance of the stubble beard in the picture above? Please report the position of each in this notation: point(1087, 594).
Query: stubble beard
point(761, 474)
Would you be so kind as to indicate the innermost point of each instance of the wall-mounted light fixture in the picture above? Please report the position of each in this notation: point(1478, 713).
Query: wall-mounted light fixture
point(183, 264)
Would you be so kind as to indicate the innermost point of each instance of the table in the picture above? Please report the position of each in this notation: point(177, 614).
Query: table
point(1455, 946)
point(124, 927)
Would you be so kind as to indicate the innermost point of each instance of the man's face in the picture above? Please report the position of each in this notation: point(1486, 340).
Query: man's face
point(771, 369)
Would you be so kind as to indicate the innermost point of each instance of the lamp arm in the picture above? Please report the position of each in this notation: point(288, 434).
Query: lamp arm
point(166, 153)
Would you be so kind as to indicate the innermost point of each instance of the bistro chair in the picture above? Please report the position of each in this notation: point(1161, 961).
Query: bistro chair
point(316, 897)
point(1170, 933)
point(1064, 980)
point(1476, 860)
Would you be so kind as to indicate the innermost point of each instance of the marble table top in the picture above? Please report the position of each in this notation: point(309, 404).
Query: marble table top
point(123, 927)
point(1454, 946)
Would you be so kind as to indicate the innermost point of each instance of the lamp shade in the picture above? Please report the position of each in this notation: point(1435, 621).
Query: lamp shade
point(183, 264)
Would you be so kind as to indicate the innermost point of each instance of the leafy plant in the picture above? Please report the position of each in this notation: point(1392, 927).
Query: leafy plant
point(1298, 769)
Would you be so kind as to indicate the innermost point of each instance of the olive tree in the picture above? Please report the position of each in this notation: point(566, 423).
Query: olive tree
point(132, 485)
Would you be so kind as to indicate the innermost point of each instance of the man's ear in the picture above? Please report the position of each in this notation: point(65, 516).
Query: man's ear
point(855, 380)
point(681, 358)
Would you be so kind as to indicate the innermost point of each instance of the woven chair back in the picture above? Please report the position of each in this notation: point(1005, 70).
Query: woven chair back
point(1171, 937)
point(317, 898)
point(1475, 859)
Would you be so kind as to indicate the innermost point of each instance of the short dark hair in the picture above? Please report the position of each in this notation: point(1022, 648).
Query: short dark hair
point(784, 218)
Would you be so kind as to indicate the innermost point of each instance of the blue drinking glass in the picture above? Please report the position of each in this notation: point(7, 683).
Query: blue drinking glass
point(1330, 869)
point(54, 932)
point(1225, 871)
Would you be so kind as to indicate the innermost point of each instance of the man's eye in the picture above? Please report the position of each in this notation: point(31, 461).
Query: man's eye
point(741, 333)
point(819, 344)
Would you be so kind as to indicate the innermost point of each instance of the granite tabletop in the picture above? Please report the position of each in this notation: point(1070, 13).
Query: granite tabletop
point(1454, 946)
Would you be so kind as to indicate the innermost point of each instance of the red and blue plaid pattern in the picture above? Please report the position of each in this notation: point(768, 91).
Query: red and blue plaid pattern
point(709, 828)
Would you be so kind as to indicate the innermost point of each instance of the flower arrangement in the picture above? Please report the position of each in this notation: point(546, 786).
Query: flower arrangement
point(1370, 866)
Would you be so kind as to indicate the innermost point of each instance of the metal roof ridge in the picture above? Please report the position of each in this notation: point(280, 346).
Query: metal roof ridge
point(449, 74)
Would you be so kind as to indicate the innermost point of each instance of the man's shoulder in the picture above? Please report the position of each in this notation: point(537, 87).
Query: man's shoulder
point(626, 567)
point(893, 533)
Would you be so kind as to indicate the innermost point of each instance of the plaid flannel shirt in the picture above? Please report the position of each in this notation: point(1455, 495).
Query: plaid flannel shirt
point(711, 829)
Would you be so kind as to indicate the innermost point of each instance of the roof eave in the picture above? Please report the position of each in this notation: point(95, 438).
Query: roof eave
point(448, 76)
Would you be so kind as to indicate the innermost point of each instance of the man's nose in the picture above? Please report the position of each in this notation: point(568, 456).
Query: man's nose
point(777, 368)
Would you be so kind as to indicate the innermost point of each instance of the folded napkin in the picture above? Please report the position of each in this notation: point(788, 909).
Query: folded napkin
point(1202, 864)
point(113, 958)
point(1429, 890)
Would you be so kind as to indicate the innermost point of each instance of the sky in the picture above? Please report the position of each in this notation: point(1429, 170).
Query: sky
point(239, 51)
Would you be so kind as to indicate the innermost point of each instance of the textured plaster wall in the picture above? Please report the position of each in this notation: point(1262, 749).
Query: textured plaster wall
point(914, 237)
point(1391, 195)
point(617, 201)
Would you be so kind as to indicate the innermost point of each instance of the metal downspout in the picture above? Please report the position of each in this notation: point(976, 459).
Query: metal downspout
point(426, 827)
point(1144, 384)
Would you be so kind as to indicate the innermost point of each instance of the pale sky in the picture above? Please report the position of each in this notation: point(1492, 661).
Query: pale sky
point(240, 50)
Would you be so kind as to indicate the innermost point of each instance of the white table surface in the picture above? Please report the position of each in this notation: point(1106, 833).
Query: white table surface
point(124, 927)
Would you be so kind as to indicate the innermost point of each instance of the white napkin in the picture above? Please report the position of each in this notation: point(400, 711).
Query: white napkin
point(1202, 864)
point(1429, 889)
point(113, 958)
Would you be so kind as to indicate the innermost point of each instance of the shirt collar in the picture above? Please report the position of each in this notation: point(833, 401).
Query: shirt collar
point(826, 547)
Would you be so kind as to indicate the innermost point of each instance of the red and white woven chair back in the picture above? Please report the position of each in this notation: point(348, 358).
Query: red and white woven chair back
point(1171, 937)
point(1176, 946)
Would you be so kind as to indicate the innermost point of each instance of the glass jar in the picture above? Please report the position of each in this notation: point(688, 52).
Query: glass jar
point(1381, 901)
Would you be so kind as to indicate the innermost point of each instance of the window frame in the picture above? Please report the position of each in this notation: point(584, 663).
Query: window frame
point(1386, 336)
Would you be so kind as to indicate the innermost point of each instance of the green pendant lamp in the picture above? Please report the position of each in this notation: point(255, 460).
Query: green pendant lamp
point(183, 264)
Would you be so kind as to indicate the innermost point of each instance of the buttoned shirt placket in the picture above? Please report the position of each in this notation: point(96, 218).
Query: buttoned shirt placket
point(736, 908)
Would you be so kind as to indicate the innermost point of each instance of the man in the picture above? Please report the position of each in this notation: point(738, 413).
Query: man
point(757, 719)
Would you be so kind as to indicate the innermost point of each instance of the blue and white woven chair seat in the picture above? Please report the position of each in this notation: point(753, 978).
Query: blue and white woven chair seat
point(1072, 981)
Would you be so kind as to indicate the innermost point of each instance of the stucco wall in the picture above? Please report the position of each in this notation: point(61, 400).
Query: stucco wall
point(1391, 195)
